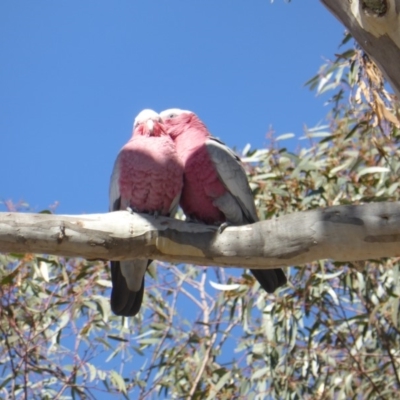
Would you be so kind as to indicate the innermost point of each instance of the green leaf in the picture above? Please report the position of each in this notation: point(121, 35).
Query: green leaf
point(222, 381)
point(259, 373)
point(118, 381)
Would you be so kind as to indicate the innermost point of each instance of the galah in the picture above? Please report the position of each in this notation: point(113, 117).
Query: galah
point(216, 190)
point(147, 178)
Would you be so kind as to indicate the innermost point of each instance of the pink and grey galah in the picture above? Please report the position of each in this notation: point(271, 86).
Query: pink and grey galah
point(216, 190)
point(147, 178)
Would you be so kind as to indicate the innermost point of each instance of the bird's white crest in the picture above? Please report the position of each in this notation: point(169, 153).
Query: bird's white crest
point(173, 112)
point(146, 115)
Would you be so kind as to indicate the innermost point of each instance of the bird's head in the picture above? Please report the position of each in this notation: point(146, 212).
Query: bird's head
point(179, 121)
point(148, 123)
point(176, 120)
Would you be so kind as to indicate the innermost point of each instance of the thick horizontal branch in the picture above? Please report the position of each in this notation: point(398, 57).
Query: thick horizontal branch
point(376, 27)
point(343, 233)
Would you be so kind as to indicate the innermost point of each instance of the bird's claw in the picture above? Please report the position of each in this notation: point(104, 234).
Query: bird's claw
point(223, 226)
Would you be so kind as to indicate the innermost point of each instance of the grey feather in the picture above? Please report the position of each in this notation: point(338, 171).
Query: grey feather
point(123, 301)
point(238, 204)
point(230, 207)
point(233, 176)
point(114, 194)
point(133, 272)
point(174, 206)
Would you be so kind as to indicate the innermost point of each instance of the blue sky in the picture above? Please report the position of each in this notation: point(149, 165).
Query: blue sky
point(74, 74)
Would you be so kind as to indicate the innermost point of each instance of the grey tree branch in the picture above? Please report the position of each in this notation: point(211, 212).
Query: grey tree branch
point(342, 233)
point(375, 25)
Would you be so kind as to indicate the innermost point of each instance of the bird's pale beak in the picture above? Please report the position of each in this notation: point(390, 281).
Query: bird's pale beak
point(154, 128)
point(150, 125)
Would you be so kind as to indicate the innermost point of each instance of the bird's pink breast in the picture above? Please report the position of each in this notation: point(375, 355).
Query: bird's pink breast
point(201, 187)
point(151, 174)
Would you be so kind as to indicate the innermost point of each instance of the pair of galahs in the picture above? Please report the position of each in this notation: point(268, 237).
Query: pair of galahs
point(173, 160)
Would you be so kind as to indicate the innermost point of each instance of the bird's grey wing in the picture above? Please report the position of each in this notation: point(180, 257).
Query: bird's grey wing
point(114, 193)
point(233, 176)
point(174, 205)
point(127, 277)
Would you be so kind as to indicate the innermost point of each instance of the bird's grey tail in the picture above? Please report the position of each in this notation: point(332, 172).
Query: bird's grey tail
point(270, 279)
point(124, 302)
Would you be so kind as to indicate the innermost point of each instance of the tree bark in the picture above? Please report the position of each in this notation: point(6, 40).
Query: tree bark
point(342, 233)
point(375, 25)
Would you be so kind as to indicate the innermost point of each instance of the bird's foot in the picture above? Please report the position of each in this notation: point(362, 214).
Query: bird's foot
point(155, 214)
point(192, 220)
point(223, 226)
